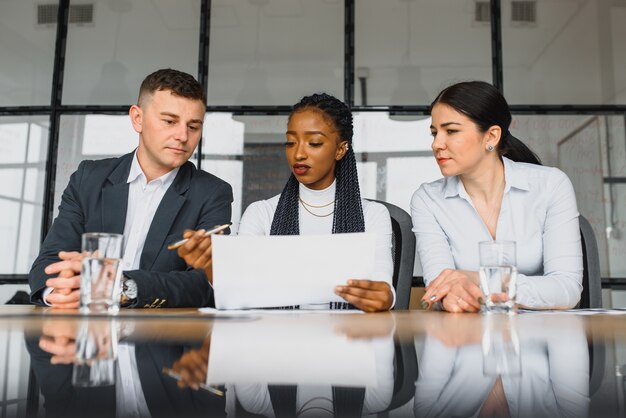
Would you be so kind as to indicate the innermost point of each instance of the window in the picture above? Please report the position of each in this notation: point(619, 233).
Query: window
point(23, 153)
point(407, 51)
point(572, 54)
point(274, 52)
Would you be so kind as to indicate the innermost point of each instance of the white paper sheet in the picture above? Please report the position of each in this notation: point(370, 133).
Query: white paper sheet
point(268, 271)
point(257, 313)
point(581, 312)
point(291, 350)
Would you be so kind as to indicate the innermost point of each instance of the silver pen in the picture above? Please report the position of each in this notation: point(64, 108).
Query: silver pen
point(175, 375)
point(180, 243)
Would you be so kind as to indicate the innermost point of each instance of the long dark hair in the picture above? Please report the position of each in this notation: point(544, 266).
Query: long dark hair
point(348, 216)
point(486, 107)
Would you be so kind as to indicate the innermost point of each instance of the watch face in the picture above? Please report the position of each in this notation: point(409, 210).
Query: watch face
point(130, 289)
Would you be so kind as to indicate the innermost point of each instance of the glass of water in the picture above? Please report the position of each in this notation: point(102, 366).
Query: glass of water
point(498, 275)
point(100, 274)
point(95, 360)
point(500, 346)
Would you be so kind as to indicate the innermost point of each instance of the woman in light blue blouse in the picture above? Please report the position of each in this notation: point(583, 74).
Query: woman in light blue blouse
point(494, 187)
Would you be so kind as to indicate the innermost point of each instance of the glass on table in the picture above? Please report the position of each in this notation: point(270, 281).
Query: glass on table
point(500, 346)
point(100, 275)
point(95, 360)
point(498, 275)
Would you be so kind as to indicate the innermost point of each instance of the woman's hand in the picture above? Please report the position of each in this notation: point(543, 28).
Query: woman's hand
point(192, 366)
point(367, 295)
point(197, 251)
point(458, 290)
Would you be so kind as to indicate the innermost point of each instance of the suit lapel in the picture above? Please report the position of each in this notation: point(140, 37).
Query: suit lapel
point(165, 216)
point(115, 197)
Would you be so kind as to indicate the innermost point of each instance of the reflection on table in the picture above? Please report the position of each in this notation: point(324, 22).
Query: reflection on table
point(510, 366)
point(181, 363)
point(286, 365)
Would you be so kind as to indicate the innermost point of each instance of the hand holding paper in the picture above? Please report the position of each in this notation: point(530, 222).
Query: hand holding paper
point(367, 295)
point(272, 271)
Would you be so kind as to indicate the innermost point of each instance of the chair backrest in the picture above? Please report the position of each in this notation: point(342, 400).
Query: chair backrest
point(592, 283)
point(405, 376)
point(403, 253)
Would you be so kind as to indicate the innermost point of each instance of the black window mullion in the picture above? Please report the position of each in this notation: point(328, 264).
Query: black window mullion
point(348, 53)
point(203, 59)
point(496, 45)
point(55, 115)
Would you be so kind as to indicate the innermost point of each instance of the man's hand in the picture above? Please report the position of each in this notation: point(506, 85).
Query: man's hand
point(457, 289)
point(59, 339)
point(66, 286)
point(367, 295)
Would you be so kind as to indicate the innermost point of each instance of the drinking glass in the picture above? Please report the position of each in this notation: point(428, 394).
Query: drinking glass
point(95, 360)
point(498, 275)
point(500, 346)
point(100, 274)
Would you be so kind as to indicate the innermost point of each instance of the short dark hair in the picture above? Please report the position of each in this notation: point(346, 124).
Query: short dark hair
point(179, 83)
point(487, 107)
point(348, 213)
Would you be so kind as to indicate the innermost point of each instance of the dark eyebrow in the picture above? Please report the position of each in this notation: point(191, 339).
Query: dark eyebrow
point(307, 133)
point(443, 125)
point(175, 116)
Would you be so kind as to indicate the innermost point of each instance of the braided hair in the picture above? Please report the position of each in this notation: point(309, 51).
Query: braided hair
point(348, 216)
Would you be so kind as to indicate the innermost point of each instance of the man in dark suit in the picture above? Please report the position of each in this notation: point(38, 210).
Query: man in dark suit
point(151, 196)
point(140, 388)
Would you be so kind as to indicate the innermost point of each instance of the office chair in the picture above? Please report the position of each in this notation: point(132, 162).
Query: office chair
point(591, 296)
point(405, 376)
point(403, 253)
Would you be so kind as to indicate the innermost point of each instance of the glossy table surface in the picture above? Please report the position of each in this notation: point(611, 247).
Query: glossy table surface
point(179, 362)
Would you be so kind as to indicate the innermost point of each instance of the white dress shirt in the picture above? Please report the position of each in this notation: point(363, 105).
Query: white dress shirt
point(143, 200)
point(538, 212)
point(554, 378)
point(257, 220)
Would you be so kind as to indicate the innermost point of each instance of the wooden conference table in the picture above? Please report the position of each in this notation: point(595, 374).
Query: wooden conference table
point(411, 363)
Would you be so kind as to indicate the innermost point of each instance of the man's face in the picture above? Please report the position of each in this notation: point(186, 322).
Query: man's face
point(169, 128)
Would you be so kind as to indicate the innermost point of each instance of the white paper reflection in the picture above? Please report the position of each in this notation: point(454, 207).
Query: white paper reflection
point(310, 353)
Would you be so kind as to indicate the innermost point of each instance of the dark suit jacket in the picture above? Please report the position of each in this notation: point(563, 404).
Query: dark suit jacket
point(163, 397)
point(96, 199)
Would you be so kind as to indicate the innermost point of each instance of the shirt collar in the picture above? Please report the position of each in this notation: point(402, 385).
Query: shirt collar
point(137, 173)
point(452, 186)
point(513, 176)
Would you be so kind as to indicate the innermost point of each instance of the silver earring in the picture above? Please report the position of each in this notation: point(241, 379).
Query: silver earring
point(490, 148)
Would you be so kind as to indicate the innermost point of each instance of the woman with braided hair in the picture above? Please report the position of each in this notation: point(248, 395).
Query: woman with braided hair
point(321, 197)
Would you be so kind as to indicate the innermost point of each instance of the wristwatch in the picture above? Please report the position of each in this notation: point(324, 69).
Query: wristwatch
point(129, 292)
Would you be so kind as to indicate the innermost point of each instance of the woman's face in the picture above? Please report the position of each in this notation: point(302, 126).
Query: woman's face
point(313, 148)
point(458, 145)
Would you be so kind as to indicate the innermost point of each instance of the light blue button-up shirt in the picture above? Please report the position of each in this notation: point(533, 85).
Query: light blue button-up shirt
point(538, 212)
